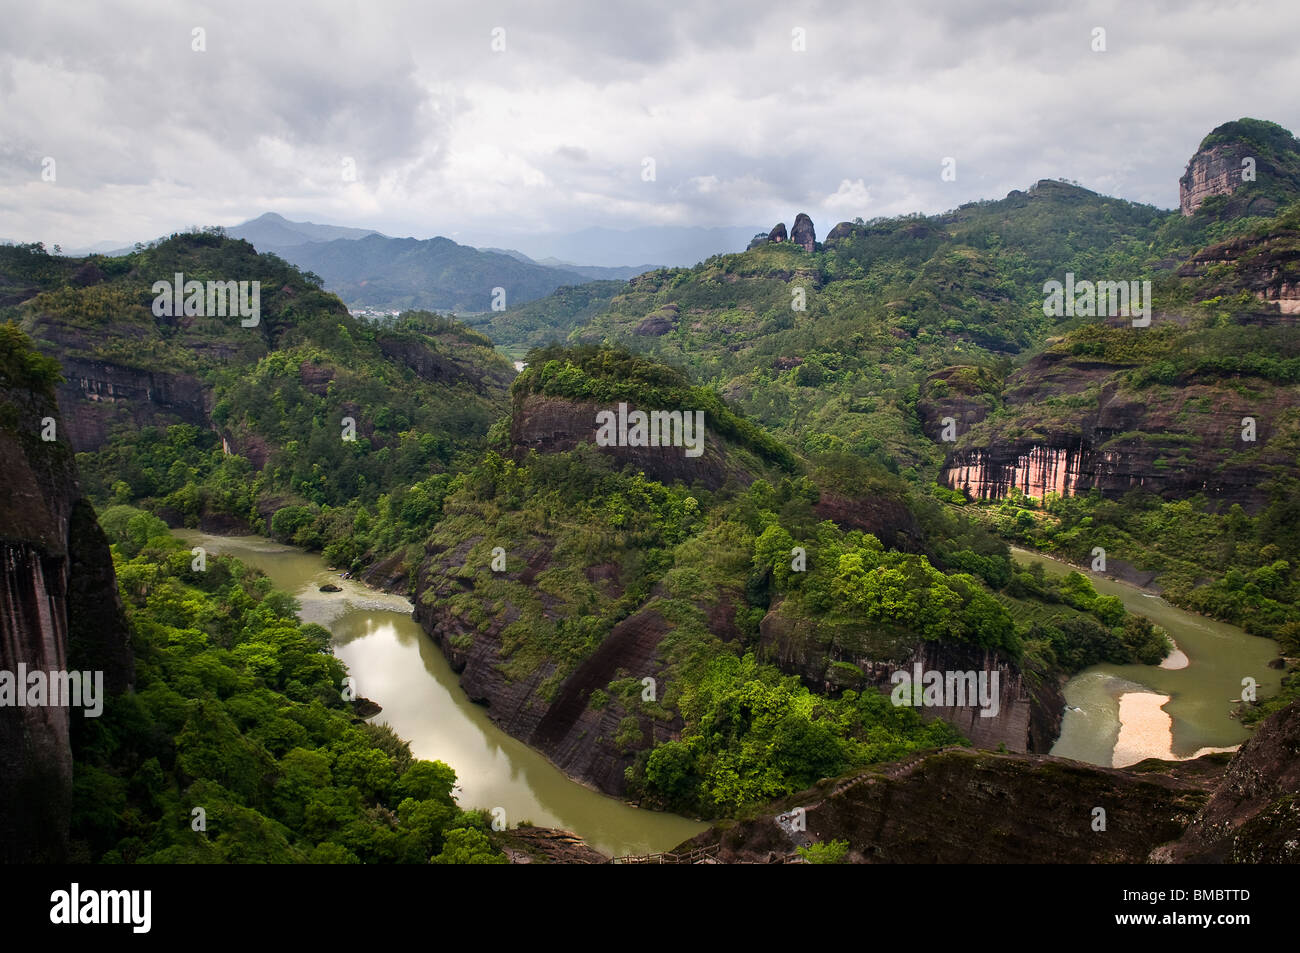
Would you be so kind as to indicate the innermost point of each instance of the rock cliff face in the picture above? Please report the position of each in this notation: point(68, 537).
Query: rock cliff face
point(1029, 706)
point(101, 394)
point(1174, 442)
point(1256, 163)
point(579, 739)
point(1214, 171)
point(1037, 471)
point(59, 611)
point(429, 365)
point(1267, 266)
point(803, 234)
point(1253, 816)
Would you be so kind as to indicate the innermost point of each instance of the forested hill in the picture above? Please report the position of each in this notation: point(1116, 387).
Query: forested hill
point(434, 273)
point(925, 343)
point(208, 421)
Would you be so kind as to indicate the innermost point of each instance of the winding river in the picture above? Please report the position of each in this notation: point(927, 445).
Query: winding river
point(1120, 714)
point(395, 664)
point(1117, 714)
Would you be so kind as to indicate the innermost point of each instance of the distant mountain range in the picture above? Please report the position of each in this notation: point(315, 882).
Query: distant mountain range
point(433, 274)
point(272, 232)
point(368, 269)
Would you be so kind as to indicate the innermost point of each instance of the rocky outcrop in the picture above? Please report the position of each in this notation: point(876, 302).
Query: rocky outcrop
point(1214, 171)
point(431, 365)
point(1256, 163)
point(960, 806)
point(966, 806)
point(546, 845)
point(888, 518)
point(659, 322)
point(803, 234)
point(581, 740)
point(1253, 816)
point(1029, 706)
point(1268, 266)
point(959, 397)
point(59, 612)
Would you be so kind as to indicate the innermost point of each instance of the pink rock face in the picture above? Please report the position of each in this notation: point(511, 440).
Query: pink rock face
point(1041, 471)
point(1217, 171)
point(1286, 295)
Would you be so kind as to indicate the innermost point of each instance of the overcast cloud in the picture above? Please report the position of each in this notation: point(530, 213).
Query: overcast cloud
point(451, 138)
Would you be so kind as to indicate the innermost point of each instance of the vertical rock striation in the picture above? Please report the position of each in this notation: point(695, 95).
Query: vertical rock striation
point(1214, 171)
point(59, 609)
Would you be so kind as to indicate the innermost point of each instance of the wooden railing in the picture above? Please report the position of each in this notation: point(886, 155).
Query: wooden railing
point(699, 855)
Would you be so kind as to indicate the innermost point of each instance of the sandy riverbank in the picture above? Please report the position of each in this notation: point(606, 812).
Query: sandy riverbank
point(1147, 731)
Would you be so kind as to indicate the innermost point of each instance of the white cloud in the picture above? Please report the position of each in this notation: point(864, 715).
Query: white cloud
point(549, 135)
point(849, 197)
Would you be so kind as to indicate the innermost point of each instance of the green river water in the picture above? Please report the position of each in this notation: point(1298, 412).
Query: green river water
point(1201, 694)
point(395, 664)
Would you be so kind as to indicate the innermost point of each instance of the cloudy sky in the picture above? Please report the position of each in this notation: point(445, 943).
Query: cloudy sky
point(552, 133)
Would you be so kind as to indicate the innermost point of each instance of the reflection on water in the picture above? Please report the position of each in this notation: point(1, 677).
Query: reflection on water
point(395, 664)
point(1201, 693)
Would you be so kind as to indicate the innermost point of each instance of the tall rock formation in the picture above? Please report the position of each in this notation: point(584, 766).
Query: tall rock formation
point(59, 607)
point(1259, 160)
point(777, 234)
point(803, 234)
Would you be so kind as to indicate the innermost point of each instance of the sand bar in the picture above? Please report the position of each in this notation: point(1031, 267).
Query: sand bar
point(1146, 730)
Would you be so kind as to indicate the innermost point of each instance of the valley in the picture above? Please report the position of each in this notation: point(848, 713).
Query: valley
point(848, 440)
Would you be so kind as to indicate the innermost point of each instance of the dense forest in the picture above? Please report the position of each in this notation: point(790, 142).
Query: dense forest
point(239, 721)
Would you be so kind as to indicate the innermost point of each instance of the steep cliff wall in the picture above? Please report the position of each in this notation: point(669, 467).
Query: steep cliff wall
point(578, 738)
point(1172, 441)
point(1029, 708)
point(1268, 266)
point(1214, 171)
point(59, 611)
point(1255, 163)
point(98, 394)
